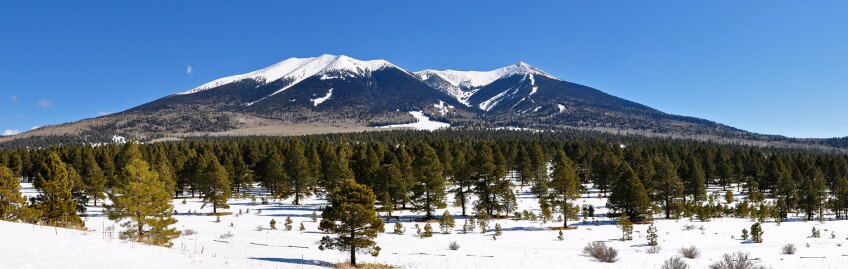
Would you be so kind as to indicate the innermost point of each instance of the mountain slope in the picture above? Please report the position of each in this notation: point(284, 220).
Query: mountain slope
point(337, 93)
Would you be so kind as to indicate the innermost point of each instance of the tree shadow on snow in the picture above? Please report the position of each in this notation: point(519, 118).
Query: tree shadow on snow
point(296, 261)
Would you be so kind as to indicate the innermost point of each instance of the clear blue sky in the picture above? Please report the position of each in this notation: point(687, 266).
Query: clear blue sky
point(766, 66)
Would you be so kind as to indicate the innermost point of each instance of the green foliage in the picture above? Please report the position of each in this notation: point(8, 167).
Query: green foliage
point(626, 227)
point(399, 230)
point(629, 196)
point(56, 201)
point(756, 233)
point(288, 224)
point(12, 203)
point(428, 193)
point(143, 200)
point(352, 218)
point(428, 230)
point(652, 235)
point(565, 187)
point(447, 222)
point(273, 224)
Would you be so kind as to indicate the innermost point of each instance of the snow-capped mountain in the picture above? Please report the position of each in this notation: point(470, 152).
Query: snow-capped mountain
point(337, 93)
point(294, 70)
point(463, 84)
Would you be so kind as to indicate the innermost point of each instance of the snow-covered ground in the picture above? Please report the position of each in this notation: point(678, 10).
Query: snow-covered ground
point(524, 244)
point(423, 123)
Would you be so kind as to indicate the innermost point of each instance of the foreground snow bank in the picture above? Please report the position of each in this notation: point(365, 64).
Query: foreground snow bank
point(32, 246)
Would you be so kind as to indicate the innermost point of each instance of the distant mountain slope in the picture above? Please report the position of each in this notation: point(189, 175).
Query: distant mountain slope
point(337, 93)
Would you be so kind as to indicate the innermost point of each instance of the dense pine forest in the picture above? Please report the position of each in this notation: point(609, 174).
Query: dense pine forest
point(643, 178)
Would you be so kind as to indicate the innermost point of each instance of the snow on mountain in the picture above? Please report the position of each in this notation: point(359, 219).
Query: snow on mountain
point(318, 101)
point(296, 70)
point(463, 84)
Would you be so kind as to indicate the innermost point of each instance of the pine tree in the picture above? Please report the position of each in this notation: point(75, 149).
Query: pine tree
point(626, 227)
point(428, 193)
point(94, 181)
point(302, 228)
point(399, 230)
point(143, 200)
point(628, 195)
point(463, 178)
point(298, 170)
point(352, 217)
point(667, 185)
point(11, 201)
point(56, 202)
point(493, 190)
point(498, 231)
point(271, 173)
point(652, 235)
point(428, 231)
point(565, 187)
point(447, 222)
point(288, 224)
point(695, 184)
point(273, 224)
point(214, 184)
point(756, 233)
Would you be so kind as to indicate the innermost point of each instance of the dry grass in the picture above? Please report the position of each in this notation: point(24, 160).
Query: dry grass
point(346, 265)
point(559, 228)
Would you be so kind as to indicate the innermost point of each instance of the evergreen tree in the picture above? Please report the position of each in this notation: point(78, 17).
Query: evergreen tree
point(447, 222)
point(214, 184)
point(297, 168)
point(463, 178)
point(695, 184)
point(756, 233)
point(428, 193)
point(271, 173)
point(628, 195)
point(352, 218)
point(94, 181)
point(494, 191)
point(652, 235)
point(144, 201)
point(56, 202)
point(565, 187)
point(667, 185)
point(12, 203)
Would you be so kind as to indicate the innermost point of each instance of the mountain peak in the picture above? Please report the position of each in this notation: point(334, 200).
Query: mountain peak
point(297, 69)
point(476, 79)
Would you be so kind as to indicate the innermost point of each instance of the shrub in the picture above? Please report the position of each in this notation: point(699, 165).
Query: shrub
point(399, 228)
point(675, 263)
point(653, 249)
point(789, 249)
point(273, 224)
point(428, 230)
point(690, 253)
point(453, 245)
point(226, 235)
point(601, 252)
point(188, 232)
point(756, 233)
point(738, 260)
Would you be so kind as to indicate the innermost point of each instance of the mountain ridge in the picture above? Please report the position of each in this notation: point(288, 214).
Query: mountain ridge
point(338, 93)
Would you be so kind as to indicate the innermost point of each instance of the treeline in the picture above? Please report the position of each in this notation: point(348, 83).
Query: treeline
point(417, 170)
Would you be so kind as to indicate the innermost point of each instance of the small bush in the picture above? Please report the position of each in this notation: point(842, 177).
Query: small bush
point(601, 252)
point(789, 249)
point(226, 235)
point(453, 246)
point(653, 249)
point(738, 260)
point(188, 232)
point(690, 253)
point(675, 263)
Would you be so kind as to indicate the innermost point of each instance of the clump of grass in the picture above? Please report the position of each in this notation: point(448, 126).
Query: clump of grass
point(453, 246)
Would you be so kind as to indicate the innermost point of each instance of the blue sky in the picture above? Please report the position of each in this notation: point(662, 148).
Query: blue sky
point(766, 66)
